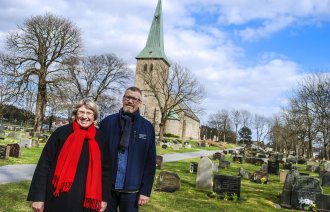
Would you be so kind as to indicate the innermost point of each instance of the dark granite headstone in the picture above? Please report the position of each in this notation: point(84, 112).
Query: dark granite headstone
point(168, 182)
point(164, 146)
point(322, 202)
point(15, 150)
point(227, 184)
point(301, 161)
point(159, 162)
point(225, 152)
point(238, 159)
point(273, 167)
point(287, 165)
point(326, 179)
point(218, 156)
point(250, 160)
point(285, 200)
point(4, 152)
point(193, 167)
point(306, 188)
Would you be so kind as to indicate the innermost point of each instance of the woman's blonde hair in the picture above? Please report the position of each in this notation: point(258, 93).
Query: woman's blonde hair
point(88, 103)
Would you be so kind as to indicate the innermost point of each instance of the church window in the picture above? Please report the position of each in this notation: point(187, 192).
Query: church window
point(145, 67)
point(151, 68)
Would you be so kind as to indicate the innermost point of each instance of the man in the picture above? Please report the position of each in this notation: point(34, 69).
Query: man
point(132, 154)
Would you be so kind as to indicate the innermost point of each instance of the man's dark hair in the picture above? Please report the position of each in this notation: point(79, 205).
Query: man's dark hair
point(135, 89)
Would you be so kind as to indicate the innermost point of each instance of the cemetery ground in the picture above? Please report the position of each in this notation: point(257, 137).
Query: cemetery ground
point(254, 196)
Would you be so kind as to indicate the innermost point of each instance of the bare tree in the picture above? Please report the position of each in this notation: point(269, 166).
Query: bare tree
point(93, 76)
point(261, 127)
point(246, 118)
point(35, 50)
point(221, 122)
point(175, 91)
point(317, 88)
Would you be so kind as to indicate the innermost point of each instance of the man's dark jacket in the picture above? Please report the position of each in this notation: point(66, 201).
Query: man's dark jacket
point(141, 162)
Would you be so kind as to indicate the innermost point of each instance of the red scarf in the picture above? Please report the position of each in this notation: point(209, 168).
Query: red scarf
point(67, 165)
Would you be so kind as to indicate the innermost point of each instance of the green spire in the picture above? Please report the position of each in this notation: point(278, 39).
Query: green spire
point(155, 44)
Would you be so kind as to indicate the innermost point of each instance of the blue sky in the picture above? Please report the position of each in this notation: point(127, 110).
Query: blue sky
point(248, 54)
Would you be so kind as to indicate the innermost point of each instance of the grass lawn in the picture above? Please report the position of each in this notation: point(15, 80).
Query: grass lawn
point(28, 156)
point(254, 197)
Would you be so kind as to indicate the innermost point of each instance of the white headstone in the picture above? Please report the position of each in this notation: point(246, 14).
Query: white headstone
point(176, 147)
point(25, 142)
point(204, 174)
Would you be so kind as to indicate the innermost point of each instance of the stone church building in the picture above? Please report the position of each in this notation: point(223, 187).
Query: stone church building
point(185, 124)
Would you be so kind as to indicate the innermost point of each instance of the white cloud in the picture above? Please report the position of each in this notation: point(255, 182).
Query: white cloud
point(206, 48)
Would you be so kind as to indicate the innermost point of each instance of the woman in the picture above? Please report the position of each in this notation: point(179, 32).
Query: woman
point(69, 175)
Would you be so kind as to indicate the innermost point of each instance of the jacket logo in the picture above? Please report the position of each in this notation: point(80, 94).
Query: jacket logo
point(142, 136)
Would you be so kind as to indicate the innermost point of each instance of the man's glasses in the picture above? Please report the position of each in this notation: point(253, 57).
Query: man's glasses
point(131, 98)
point(83, 113)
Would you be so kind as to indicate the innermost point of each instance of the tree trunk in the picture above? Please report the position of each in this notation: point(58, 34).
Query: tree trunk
point(161, 131)
point(41, 104)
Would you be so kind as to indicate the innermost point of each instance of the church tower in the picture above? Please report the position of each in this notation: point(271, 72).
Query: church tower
point(152, 59)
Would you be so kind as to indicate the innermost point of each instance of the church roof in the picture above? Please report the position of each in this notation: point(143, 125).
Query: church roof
point(154, 48)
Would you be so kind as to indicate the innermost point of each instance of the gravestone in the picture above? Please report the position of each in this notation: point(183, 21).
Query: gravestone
point(25, 142)
point(273, 167)
point(227, 184)
point(238, 159)
point(287, 165)
point(4, 152)
point(15, 150)
point(225, 152)
point(283, 174)
point(218, 156)
point(215, 167)
point(223, 164)
point(326, 179)
point(259, 161)
point(258, 175)
point(327, 167)
point(187, 145)
point(230, 151)
point(193, 167)
point(204, 174)
point(306, 188)
point(17, 135)
point(176, 147)
point(35, 143)
point(264, 168)
point(301, 160)
point(250, 160)
point(2, 133)
point(322, 202)
point(11, 134)
point(159, 162)
point(168, 182)
point(285, 199)
point(313, 168)
point(245, 174)
point(164, 146)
